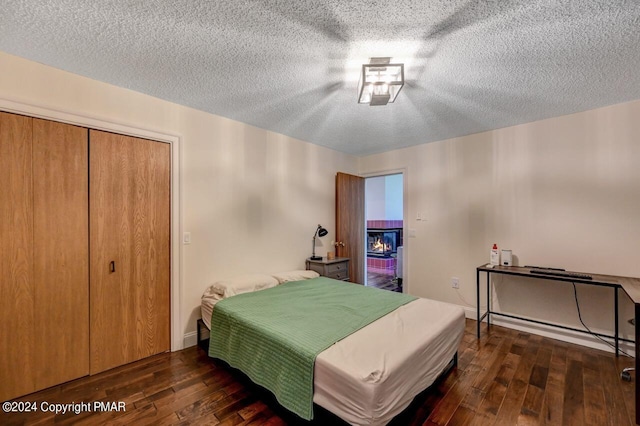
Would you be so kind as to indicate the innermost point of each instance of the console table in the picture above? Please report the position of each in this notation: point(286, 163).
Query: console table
point(630, 285)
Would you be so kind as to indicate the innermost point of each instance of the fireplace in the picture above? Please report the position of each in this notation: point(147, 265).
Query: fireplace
point(383, 242)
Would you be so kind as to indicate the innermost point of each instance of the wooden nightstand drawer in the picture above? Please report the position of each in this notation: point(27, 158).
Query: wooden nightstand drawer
point(339, 275)
point(342, 267)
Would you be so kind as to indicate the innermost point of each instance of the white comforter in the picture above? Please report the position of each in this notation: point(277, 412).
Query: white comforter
point(370, 376)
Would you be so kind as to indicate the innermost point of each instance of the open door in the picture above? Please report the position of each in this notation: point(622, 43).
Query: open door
point(350, 223)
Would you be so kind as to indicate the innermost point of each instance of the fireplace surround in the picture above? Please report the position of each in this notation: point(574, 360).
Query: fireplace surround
point(383, 242)
point(383, 260)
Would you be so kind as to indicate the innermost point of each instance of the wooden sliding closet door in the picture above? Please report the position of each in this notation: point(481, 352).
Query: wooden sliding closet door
point(44, 249)
point(61, 252)
point(16, 258)
point(129, 249)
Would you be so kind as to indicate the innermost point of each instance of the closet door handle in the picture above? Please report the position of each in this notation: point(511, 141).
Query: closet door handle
point(112, 266)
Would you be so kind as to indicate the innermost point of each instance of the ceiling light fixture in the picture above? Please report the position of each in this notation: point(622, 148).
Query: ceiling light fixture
point(380, 82)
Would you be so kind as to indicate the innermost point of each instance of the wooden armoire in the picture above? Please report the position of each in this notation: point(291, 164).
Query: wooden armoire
point(84, 252)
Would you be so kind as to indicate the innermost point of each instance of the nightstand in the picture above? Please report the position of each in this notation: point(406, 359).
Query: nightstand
point(337, 268)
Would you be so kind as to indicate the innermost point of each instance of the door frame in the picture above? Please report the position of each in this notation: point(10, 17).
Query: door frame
point(404, 171)
point(92, 122)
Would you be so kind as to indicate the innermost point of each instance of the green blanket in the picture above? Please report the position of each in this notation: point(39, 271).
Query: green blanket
point(274, 335)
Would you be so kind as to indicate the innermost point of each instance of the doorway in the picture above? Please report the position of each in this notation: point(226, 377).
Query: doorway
point(384, 236)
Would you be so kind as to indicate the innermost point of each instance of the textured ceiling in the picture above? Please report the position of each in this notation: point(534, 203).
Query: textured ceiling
point(293, 66)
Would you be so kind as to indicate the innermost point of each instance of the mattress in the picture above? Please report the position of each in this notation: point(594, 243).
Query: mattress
point(370, 376)
point(209, 299)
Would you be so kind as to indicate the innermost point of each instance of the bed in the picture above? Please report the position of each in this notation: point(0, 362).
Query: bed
point(373, 374)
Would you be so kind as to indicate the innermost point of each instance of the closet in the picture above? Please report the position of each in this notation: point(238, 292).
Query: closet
point(84, 252)
point(129, 217)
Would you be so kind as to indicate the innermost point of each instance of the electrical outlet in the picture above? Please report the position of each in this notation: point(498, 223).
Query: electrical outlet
point(455, 282)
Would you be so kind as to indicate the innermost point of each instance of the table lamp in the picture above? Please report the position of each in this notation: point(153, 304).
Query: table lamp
point(320, 232)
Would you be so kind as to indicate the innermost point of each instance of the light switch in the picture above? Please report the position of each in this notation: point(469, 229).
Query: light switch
point(412, 233)
point(186, 238)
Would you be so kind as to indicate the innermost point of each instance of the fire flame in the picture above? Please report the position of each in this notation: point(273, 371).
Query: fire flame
point(378, 245)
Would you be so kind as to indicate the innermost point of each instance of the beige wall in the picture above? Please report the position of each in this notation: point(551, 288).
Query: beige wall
point(250, 198)
point(375, 202)
point(561, 192)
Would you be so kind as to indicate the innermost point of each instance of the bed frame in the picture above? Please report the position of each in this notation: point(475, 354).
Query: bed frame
point(203, 343)
point(203, 335)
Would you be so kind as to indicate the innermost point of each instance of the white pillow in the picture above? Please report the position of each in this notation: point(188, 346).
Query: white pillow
point(211, 295)
point(243, 284)
point(284, 277)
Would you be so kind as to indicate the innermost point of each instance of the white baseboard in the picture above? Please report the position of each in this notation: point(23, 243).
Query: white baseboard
point(190, 339)
point(568, 336)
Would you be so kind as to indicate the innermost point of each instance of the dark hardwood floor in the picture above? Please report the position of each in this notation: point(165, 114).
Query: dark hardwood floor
point(505, 378)
point(383, 281)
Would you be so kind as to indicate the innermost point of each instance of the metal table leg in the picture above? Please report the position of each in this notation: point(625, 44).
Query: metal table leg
point(488, 300)
point(615, 310)
point(478, 299)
